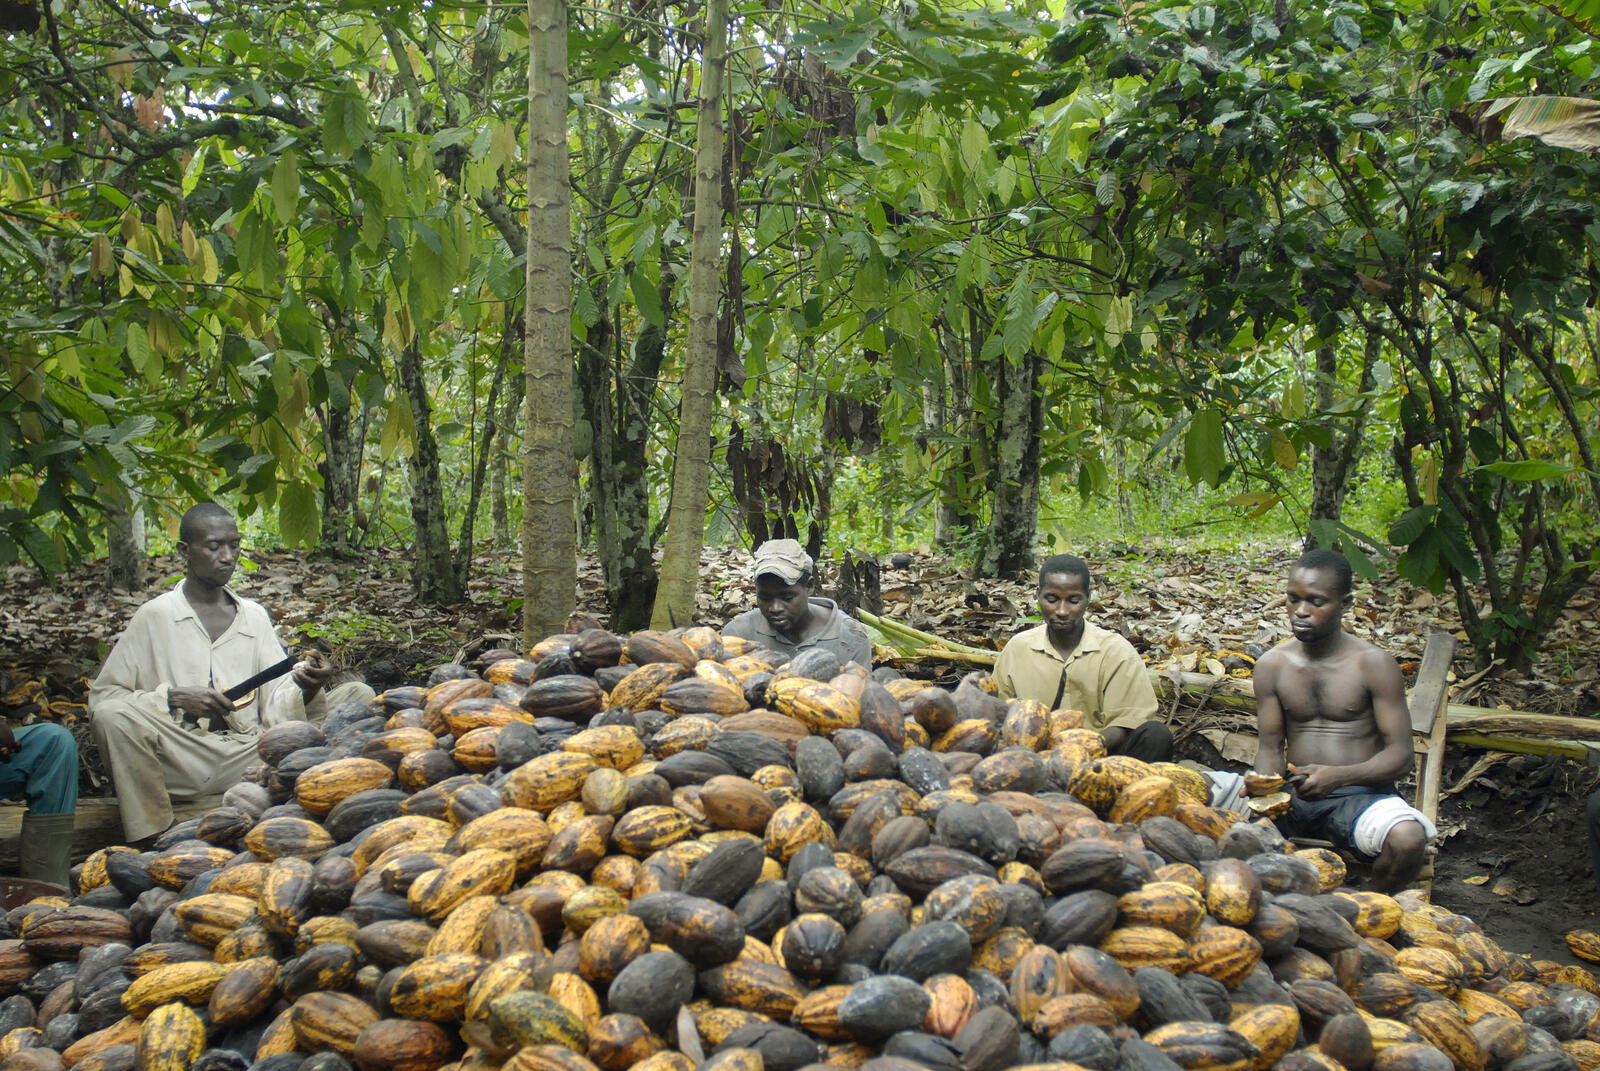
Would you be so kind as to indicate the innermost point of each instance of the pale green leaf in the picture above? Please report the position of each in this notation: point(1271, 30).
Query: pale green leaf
point(1005, 179)
point(974, 140)
point(286, 188)
point(1294, 399)
point(1119, 319)
point(1526, 471)
point(1256, 502)
point(1105, 188)
point(139, 351)
point(399, 430)
point(192, 173)
point(1203, 448)
point(1283, 451)
point(1017, 333)
point(1347, 31)
point(647, 298)
point(583, 305)
point(206, 261)
point(344, 121)
point(299, 517)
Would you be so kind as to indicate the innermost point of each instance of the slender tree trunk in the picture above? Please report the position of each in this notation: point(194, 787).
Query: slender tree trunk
point(500, 508)
point(435, 577)
point(1112, 435)
point(747, 492)
point(632, 588)
point(954, 515)
point(822, 505)
point(691, 476)
point(1333, 466)
point(125, 543)
point(617, 386)
point(341, 475)
point(935, 420)
point(1014, 520)
point(549, 539)
point(616, 401)
point(510, 337)
point(1028, 535)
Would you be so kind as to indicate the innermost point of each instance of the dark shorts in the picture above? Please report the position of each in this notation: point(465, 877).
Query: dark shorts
point(1334, 816)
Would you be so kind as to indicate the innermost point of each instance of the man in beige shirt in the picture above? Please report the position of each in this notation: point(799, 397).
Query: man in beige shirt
point(1070, 662)
point(165, 729)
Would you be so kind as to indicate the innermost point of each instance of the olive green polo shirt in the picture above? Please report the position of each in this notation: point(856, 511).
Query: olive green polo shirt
point(1106, 679)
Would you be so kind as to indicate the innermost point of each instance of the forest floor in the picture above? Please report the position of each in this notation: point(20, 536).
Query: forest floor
point(1512, 855)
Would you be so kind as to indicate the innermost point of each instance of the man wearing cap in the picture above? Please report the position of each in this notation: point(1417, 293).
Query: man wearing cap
point(788, 618)
point(1070, 662)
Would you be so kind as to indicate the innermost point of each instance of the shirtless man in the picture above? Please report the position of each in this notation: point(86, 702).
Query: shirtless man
point(1339, 703)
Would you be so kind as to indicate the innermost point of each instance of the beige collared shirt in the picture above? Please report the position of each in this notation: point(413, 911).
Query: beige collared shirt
point(166, 645)
point(1105, 678)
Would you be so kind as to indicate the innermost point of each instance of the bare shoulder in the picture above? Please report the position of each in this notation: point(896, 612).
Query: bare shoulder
point(1273, 662)
point(1377, 665)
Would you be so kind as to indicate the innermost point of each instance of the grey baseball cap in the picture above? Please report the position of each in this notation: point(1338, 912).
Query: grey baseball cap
point(785, 559)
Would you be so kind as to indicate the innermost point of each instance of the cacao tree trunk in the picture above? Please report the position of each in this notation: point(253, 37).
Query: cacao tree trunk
point(549, 539)
point(509, 339)
point(954, 514)
point(1112, 434)
point(1333, 466)
point(632, 581)
point(691, 473)
point(1008, 543)
point(822, 503)
point(749, 494)
point(341, 475)
point(499, 506)
point(434, 577)
point(125, 542)
point(616, 390)
point(617, 406)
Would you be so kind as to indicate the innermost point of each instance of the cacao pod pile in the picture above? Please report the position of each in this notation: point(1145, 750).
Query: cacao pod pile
point(671, 850)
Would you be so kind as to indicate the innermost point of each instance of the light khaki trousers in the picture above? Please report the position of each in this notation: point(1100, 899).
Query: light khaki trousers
point(154, 760)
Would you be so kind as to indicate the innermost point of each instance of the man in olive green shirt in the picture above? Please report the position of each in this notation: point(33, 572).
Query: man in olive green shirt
point(1072, 663)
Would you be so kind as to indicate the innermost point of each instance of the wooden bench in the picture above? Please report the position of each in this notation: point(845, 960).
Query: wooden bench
point(1427, 702)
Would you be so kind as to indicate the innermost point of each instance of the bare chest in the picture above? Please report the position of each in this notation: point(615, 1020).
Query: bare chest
point(1324, 693)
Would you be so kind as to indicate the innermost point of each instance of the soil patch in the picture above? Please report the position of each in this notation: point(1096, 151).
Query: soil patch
point(1514, 855)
